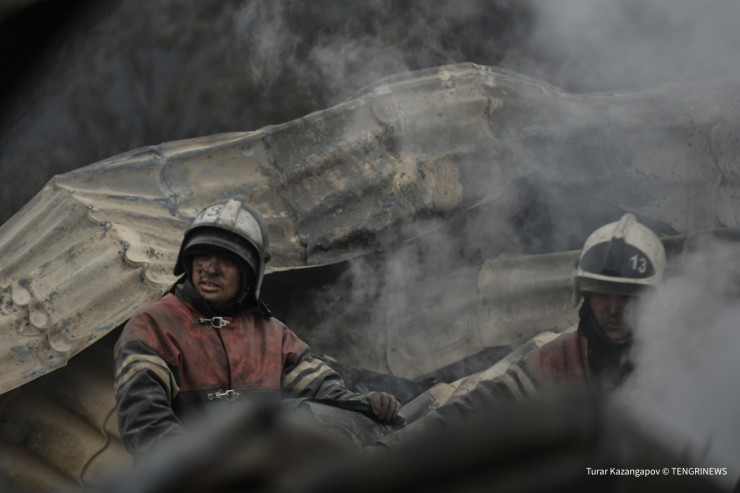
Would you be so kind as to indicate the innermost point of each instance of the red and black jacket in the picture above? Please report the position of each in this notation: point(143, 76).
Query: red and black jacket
point(172, 364)
point(575, 359)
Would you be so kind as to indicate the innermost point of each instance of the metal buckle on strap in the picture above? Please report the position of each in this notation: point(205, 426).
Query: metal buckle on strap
point(215, 322)
point(229, 395)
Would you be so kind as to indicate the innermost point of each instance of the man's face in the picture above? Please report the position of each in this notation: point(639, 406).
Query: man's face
point(217, 278)
point(615, 313)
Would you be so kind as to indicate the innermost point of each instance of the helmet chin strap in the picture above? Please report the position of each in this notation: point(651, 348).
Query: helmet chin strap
point(244, 294)
point(248, 283)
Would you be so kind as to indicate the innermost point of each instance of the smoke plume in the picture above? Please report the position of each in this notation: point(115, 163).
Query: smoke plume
point(686, 358)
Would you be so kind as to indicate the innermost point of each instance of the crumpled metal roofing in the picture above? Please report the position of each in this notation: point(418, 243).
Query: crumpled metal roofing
point(97, 243)
point(59, 432)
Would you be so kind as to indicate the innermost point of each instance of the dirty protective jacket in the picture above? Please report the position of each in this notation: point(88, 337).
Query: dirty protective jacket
point(172, 364)
point(584, 358)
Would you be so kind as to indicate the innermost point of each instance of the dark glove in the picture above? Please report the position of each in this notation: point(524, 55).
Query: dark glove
point(384, 405)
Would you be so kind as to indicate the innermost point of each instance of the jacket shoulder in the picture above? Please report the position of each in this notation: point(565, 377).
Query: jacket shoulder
point(561, 357)
point(149, 322)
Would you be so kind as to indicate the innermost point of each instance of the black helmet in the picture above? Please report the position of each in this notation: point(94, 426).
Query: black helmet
point(232, 226)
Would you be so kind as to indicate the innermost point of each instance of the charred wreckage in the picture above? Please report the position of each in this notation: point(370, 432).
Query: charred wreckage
point(423, 236)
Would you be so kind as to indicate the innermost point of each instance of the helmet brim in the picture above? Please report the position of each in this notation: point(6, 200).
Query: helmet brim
point(588, 285)
point(211, 240)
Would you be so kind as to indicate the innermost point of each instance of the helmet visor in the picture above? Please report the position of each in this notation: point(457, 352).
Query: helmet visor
point(587, 285)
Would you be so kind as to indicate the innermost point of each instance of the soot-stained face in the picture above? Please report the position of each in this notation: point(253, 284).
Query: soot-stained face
point(217, 278)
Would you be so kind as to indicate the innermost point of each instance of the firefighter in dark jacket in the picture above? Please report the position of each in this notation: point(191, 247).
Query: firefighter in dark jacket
point(619, 263)
point(212, 340)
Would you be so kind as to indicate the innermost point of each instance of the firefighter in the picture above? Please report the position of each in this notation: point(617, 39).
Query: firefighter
point(619, 263)
point(211, 340)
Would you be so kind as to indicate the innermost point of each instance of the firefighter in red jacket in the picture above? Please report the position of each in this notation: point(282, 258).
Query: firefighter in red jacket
point(212, 340)
point(619, 263)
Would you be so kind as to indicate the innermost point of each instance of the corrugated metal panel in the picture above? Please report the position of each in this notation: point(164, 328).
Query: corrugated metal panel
point(59, 432)
point(506, 301)
point(97, 243)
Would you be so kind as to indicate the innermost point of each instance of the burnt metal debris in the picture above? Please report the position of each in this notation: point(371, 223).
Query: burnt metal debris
point(506, 171)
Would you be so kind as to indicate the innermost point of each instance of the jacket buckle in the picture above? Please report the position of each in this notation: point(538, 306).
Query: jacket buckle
point(213, 323)
point(229, 395)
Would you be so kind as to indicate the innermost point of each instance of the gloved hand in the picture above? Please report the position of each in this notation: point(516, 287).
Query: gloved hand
point(385, 406)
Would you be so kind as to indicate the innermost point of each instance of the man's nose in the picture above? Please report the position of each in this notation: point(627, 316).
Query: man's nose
point(616, 303)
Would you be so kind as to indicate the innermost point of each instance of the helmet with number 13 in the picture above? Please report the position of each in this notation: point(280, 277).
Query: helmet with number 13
point(622, 257)
point(619, 262)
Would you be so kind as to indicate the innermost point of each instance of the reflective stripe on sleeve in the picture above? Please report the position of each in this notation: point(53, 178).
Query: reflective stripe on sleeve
point(314, 376)
point(135, 363)
point(309, 365)
point(526, 383)
point(512, 385)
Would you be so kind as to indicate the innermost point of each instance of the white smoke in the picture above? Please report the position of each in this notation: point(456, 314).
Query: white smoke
point(687, 368)
point(334, 61)
point(594, 45)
